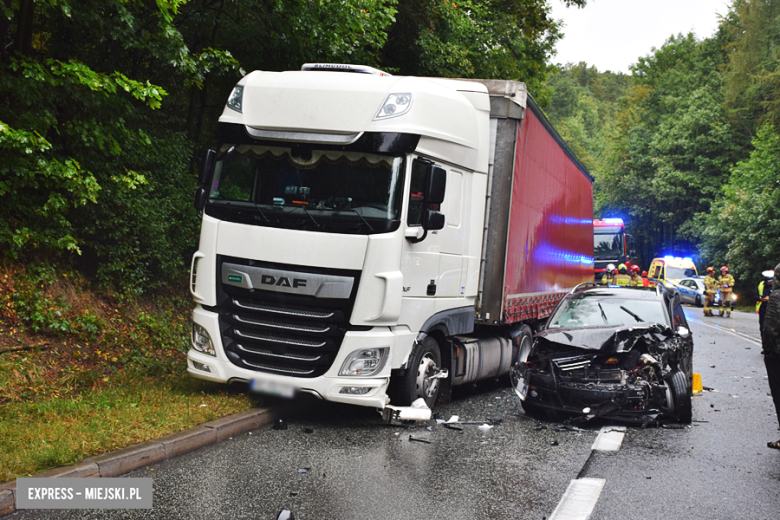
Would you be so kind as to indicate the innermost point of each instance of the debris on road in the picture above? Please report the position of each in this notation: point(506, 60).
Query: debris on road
point(279, 425)
point(412, 438)
point(418, 411)
point(285, 514)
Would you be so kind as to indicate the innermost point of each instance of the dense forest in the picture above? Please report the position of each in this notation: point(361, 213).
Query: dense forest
point(686, 147)
point(106, 106)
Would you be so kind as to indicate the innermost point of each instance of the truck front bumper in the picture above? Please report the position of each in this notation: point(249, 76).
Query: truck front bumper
point(330, 386)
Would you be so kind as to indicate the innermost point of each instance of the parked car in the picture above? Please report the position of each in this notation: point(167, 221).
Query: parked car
point(621, 353)
point(691, 290)
point(717, 301)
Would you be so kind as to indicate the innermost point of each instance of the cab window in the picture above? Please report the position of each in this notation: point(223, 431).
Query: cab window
point(417, 193)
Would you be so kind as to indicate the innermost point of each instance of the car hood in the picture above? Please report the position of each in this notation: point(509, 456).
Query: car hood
point(608, 339)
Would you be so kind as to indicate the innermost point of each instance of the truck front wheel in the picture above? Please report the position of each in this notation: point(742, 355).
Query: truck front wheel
point(424, 362)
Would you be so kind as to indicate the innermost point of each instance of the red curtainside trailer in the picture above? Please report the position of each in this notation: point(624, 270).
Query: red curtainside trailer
point(538, 242)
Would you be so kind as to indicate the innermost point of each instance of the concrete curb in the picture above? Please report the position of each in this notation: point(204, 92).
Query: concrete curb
point(119, 462)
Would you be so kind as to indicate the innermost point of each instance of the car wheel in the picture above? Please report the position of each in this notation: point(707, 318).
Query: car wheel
point(698, 302)
point(416, 382)
point(680, 394)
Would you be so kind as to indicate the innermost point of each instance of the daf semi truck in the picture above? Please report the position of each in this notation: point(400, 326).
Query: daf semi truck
point(376, 240)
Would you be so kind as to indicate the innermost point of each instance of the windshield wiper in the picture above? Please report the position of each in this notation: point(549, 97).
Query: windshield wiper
point(603, 316)
point(370, 227)
point(316, 224)
point(637, 318)
point(257, 208)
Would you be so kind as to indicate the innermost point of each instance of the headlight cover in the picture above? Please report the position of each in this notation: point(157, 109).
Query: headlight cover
point(236, 99)
point(201, 341)
point(364, 362)
point(394, 105)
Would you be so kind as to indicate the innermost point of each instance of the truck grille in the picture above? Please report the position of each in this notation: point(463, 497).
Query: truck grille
point(278, 332)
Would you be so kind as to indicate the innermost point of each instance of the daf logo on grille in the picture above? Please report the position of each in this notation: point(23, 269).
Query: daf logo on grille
point(318, 285)
point(282, 281)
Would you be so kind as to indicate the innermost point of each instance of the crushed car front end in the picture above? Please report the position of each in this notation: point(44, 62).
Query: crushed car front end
point(633, 373)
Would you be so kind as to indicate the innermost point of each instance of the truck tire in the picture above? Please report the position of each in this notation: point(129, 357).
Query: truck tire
point(524, 345)
point(423, 362)
point(681, 396)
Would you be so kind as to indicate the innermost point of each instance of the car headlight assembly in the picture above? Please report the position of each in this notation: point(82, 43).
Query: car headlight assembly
point(364, 362)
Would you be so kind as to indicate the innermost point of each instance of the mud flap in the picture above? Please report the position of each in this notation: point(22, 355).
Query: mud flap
point(418, 411)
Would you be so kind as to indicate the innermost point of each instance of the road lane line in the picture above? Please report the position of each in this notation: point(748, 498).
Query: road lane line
point(730, 331)
point(609, 438)
point(579, 499)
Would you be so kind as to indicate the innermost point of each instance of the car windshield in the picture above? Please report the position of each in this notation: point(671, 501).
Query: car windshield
point(608, 242)
point(591, 310)
point(287, 187)
point(678, 273)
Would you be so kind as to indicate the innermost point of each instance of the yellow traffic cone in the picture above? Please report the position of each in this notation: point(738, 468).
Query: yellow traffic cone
point(697, 386)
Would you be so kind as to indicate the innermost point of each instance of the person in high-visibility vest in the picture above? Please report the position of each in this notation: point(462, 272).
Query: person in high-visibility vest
point(711, 286)
point(636, 280)
point(726, 287)
point(622, 279)
point(609, 276)
point(764, 290)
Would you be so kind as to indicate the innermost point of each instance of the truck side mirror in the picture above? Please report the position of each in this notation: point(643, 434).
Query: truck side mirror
point(200, 198)
point(436, 185)
point(433, 220)
point(208, 164)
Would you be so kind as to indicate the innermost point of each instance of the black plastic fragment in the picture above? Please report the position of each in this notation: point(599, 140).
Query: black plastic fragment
point(540, 426)
point(279, 425)
point(554, 443)
point(412, 438)
point(453, 426)
point(307, 430)
point(673, 426)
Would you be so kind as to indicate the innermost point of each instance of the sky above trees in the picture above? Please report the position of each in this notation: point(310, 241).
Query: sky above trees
point(612, 34)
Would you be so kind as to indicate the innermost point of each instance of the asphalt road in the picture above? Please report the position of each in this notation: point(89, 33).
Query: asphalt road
point(336, 462)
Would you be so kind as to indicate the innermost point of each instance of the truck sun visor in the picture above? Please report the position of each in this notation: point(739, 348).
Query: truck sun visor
point(394, 105)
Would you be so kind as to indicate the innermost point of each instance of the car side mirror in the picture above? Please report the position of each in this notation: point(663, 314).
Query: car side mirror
point(683, 332)
point(209, 158)
point(435, 185)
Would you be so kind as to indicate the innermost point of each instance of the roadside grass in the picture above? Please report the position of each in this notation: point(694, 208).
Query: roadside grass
point(83, 372)
point(57, 432)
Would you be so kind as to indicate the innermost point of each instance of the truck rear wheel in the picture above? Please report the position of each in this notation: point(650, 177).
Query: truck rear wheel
point(416, 382)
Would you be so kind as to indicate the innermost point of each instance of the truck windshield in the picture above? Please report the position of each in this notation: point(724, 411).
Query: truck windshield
point(323, 190)
point(608, 243)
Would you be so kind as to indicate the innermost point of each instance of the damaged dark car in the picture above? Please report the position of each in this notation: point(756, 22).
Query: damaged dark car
point(615, 352)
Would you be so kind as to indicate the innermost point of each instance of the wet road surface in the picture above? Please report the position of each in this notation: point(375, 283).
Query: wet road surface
point(338, 462)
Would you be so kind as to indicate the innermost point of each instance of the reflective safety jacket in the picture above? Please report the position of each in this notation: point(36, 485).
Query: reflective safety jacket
point(636, 281)
point(726, 284)
point(711, 285)
point(607, 279)
point(623, 280)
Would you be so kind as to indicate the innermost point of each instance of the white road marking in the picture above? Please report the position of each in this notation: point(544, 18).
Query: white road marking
point(609, 439)
point(579, 499)
point(730, 331)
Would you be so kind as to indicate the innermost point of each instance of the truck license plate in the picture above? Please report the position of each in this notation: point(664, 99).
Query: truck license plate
point(272, 388)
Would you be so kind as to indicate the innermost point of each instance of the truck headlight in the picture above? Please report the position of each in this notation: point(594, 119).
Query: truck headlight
point(201, 341)
point(364, 362)
point(236, 99)
point(394, 105)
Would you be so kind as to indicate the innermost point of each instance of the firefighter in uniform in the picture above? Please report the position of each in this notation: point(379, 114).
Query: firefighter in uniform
point(726, 287)
point(609, 276)
point(711, 287)
point(645, 280)
point(636, 279)
point(622, 279)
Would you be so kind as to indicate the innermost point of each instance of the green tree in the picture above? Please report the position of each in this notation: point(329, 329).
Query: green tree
point(672, 146)
point(506, 39)
point(743, 229)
